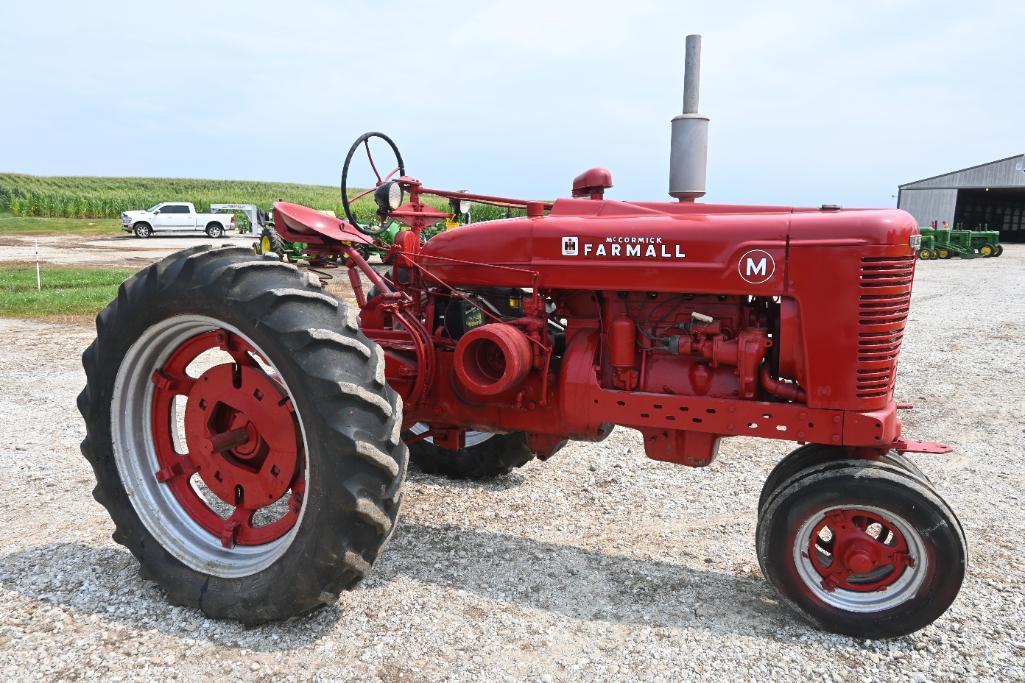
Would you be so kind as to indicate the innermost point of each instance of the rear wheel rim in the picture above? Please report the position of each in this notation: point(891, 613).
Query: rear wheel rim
point(876, 563)
point(221, 486)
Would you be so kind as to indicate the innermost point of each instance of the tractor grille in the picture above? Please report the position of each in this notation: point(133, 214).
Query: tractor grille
point(884, 299)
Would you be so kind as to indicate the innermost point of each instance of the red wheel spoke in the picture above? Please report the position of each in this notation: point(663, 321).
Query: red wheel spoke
point(900, 559)
point(173, 382)
point(240, 520)
point(183, 467)
point(370, 157)
point(236, 347)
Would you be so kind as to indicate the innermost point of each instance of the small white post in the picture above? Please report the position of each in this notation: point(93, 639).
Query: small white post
point(39, 281)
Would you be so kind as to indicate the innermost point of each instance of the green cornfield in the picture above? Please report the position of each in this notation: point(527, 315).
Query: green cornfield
point(98, 197)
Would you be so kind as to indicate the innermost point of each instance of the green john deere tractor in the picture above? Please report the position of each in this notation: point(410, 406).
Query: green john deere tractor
point(944, 244)
point(986, 242)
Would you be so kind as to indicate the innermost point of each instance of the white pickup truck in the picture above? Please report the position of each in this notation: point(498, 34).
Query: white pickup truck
point(176, 217)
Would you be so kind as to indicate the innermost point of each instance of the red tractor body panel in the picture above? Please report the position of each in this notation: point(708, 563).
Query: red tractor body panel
point(766, 321)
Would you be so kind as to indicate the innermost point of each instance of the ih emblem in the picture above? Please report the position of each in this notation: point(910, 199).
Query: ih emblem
point(570, 246)
point(756, 266)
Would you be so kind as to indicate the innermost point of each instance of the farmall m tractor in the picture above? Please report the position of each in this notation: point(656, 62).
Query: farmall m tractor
point(250, 432)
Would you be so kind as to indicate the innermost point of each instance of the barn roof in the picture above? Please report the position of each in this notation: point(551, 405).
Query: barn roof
point(1008, 172)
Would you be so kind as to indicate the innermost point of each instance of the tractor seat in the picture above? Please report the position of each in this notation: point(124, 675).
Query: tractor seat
point(303, 224)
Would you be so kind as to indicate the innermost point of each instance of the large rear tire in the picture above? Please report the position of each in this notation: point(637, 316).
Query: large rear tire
point(259, 487)
point(862, 549)
point(494, 456)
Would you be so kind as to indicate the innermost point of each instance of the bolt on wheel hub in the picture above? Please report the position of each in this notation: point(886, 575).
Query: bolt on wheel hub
point(857, 550)
point(241, 440)
point(237, 460)
point(859, 559)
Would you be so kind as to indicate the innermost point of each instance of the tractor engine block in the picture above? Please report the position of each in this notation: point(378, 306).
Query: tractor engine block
point(685, 344)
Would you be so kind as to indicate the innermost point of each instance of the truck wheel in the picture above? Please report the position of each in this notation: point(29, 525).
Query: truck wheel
point(215, 230)
point(813, 454)
point(863, 550)
point(484, 457)
point(142, 230)
point(243, 438)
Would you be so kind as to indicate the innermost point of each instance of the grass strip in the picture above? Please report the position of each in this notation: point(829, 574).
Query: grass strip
point(66, 290)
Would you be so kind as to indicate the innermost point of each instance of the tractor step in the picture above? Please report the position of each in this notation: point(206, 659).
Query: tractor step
point(908, 446)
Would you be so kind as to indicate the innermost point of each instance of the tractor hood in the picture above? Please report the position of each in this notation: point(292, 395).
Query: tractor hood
point(654, 246)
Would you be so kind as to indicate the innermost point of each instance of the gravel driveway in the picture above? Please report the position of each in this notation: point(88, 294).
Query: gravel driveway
point(124, 250)
point(598, 564)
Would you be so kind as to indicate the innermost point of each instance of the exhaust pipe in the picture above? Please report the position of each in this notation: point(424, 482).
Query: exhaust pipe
point(688, 156)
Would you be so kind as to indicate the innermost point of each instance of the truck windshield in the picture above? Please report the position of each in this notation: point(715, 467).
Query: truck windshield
point(154, 208)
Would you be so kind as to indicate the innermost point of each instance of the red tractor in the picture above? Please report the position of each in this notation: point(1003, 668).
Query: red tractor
point(250, 432)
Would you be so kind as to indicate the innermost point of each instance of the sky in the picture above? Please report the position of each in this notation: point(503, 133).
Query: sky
point(810, 102)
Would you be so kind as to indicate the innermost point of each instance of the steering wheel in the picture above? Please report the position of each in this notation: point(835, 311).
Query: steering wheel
point(383, 222)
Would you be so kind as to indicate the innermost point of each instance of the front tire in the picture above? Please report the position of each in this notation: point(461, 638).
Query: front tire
point(282, 483)
point(492, 457)
point(863, 550)
point(811, 455)
point(142, 230)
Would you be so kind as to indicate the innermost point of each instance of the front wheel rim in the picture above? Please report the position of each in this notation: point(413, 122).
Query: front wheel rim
point(860, 559)
point(233, 503)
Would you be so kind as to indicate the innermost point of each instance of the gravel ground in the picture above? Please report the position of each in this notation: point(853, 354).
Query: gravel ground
point(116, 251)
point(597, 564)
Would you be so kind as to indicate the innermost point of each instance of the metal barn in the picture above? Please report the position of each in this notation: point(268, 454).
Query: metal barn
point(985, 197)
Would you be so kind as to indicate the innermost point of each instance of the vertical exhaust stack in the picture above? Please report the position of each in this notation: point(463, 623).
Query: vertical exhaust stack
point(688, 157)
